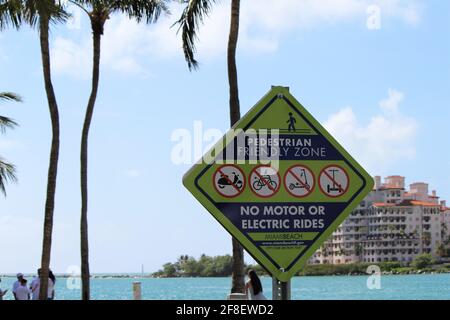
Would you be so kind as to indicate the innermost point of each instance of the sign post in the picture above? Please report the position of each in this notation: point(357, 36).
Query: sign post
point(281, 290)
point(280, 184)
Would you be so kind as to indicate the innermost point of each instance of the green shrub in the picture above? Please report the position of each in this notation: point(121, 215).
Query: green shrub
point(422, 261)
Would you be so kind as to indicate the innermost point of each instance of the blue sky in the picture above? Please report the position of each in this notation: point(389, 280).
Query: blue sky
point(384, 93)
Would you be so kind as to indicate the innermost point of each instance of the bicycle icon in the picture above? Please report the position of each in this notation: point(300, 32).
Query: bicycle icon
point(264, 181)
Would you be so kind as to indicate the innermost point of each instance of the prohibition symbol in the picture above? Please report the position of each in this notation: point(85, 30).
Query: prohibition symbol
point(333, 181)
point(264, 181)
point(229, 181)
point(299, 181)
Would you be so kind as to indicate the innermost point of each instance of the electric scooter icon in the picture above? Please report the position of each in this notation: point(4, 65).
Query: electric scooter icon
point(334, 187)
point(297, 185)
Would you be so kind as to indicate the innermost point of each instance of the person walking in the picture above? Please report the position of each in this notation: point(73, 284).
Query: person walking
point(22, 291)
point(253, 287)
point(292, 121)
point(17, 284)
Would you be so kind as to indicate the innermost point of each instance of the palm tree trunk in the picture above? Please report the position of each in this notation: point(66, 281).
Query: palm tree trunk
point(238, 285)
point(85, 274)
point(235, 113)
point(54, 155)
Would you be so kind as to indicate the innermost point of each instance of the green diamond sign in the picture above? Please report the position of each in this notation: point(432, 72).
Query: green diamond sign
point(279, 183)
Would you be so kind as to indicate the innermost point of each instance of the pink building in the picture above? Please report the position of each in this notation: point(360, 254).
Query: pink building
point(391, 224)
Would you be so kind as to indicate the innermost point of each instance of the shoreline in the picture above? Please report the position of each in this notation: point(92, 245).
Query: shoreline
point(131, 276)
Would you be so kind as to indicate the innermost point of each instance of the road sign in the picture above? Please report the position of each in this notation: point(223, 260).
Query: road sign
point(279, 183)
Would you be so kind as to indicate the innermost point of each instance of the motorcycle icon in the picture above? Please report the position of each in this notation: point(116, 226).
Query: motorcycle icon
point(264, 181)
point(225, 180)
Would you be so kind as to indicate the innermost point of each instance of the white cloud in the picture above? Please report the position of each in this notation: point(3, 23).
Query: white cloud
point(125, 45)
point(391, 103)
point(71, 58)
point(389, 136)
point(294, 14)
point(408, 11)
point(263, 24)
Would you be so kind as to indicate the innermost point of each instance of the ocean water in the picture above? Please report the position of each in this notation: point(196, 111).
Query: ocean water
point(393, 287)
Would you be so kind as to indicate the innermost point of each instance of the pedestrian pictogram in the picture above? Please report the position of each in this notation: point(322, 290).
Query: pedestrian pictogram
point(333, 181)
point(229, 181)
point(279, 183)
point(264, 181)
point(291, 122)
point(299, 181)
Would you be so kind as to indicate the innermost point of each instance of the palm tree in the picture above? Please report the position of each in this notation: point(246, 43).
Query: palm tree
point(189, 22)
point(441, 251)
point(98, 13)
point(7, 170)
point(359, 250)
point(40, 14)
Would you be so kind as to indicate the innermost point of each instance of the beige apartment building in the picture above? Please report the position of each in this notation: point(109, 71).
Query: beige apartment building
point(391, 224)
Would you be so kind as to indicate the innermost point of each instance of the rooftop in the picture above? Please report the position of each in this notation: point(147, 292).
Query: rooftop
point(406, 203)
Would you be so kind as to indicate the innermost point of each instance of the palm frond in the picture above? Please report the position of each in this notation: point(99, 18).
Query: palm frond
point(5, 123)
point(7, 174)
point(148, 10)
point(189, 23)
point(52, 10)
point(10, 96)
point(10, 13)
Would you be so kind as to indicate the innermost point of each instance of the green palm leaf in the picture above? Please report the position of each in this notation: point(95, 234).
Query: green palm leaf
point(191, 19)
point(5, 122)
point(17, 12)
point(7, 170)
point(7, 174)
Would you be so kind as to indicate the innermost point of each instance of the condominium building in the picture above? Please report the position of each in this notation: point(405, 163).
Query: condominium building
point(391, 224)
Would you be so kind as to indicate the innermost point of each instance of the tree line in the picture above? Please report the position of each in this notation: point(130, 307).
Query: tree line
point(42, 15)
point(221, 266)
point(205, 266)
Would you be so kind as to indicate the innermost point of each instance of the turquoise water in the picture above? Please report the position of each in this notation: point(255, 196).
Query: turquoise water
point(411, 287)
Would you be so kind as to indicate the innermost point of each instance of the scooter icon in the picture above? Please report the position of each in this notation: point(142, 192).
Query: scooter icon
point(335, 187)
point(298, 185)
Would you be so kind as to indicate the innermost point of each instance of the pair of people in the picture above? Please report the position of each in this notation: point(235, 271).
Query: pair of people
point(20, 289)
point(22, 292)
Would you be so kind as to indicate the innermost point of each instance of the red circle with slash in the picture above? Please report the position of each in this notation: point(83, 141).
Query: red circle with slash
point(299, 181)
point(264, 181)
point(333, 181)
point(229, 181)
